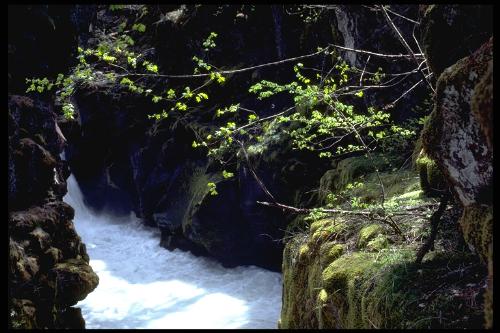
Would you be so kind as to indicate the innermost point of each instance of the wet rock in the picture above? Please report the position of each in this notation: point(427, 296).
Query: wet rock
point(71, 318)
point(40, 238)
point(22, 314)
point(75, 279)
point(34, 171)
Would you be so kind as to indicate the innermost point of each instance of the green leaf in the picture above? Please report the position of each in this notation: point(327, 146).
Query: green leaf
point(227, 174)
point(212, 188)
point(139, 27)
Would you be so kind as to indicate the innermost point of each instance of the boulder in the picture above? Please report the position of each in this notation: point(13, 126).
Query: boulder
point(75, 279)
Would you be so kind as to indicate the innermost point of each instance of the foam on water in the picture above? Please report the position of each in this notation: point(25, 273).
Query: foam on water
point(142, 285)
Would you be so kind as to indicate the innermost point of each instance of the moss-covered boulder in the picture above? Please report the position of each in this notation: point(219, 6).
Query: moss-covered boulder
point(369, 233)
point(458, 137)
point(48, 267)
point(75, 279)
point(432, 181)
point(353, 271)
point(453, 137)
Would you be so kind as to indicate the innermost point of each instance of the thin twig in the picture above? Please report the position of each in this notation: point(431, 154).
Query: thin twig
point(261, 184)
point(403, 17)
point(408, 56)
point(406, 92)
point(362, 73)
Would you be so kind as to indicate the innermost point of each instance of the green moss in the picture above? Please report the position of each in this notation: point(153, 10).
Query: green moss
point(412, 198)
point(325, 311)
point(431, 178)
point(346, 171)
point(341, 278)
point(368, 233)
point(323, 296)
point(330, 252)
point(327, 229)
point(304, 251)
point(338, 274)
point(401, 188)
point(301, 285)
point(404, 295)
point(331, 225)
point(477, 227)
point(378, 243)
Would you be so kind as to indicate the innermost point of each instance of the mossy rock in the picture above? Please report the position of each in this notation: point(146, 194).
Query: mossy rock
point(378, 243)
point(403, 294)
point(302, 281)
point(75, 279)
point(431, 178)
point(368, 233)
point(325, 311)
point(71, 318)
point(477, 226)
point(401, 188)
point(330, 225)
point(22, 314)
point(329, 252)
point(346, 171)
point(304, 251)
point(337, 275)
point(452, 135)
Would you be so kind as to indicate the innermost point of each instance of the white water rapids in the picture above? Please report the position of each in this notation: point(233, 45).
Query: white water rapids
point(142, 285)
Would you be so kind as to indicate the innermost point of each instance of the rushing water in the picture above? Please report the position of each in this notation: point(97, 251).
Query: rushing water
point(142, 285)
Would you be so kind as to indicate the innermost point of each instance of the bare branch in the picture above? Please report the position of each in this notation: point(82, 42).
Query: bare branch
point(403, 17)
point(189, 76)
point(407, 56)
point(405, 44)
point(406, 92)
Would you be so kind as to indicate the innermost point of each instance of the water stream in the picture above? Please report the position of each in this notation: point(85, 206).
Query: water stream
point(142, 285)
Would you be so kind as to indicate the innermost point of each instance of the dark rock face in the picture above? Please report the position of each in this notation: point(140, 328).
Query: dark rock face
point(41, 232)
point(35, 170)
point(459, 133)
point(459, 30)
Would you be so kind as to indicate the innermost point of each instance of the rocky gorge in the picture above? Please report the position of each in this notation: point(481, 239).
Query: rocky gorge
point(432, 268)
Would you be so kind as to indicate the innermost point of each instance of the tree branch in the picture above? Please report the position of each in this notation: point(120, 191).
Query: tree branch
point(405, 44)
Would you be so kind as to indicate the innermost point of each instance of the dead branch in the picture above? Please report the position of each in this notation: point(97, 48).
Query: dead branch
point(407, 56)
point(435, 218)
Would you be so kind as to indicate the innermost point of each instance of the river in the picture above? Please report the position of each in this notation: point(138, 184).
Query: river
point(142, 285)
